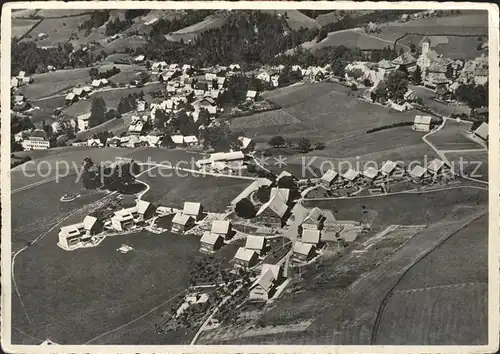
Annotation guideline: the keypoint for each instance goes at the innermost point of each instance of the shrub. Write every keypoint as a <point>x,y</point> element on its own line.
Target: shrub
<point>245,209</point>
<point>277,141</point>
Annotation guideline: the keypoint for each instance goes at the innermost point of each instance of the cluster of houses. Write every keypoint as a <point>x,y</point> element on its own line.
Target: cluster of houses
<point>20,80</point>
<point>33,140</point>
<point>433,67</point>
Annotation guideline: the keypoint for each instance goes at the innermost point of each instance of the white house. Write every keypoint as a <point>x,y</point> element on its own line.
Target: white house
<point>251,95</point>
<point>482,131</point>
<point>83,121</point>
<point>422,123</point>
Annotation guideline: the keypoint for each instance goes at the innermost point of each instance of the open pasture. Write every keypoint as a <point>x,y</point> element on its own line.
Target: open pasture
<point>356,39</point>
<point>295,19</point>
<point>294,94</point>
<point>51,83</point>
<point>59,30</point>
<point>191,32</point>
<point>173,188</point>
<point>423,316</point>
<point>472,164</point>
<point>20,26</point>
<point>121,44</point>
<point>74,298</point>
<point>452,136</point>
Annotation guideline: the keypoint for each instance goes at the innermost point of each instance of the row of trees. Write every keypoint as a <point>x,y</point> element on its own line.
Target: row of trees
<point>116,178</point>
<point>303,144</point>
<point>96,74</point>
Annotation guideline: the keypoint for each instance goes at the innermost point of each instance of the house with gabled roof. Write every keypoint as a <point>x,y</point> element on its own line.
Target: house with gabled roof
<point>251,95</point>
<point>329,178</point>
<point>418,173</point>
<point>195,210</point>
<point>277,208</point>
<point>350,175</point>
<point>303,252</point>
<point>371,173</point>
<point>435,166</point>
<point>69,236</point>
<point>190,140</point>
<point>211,242</point>
<point>314,220</point>
<point>245,259</point>
<point>422,123</point>
<point>265,285</point>
<point>182,223</point>
<point>256,244</point>
<point>222,228</point>
<point>311,236</point>
<point>388,168</point>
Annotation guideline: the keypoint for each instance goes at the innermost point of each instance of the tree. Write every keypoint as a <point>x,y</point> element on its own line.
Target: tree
<point>203,117</point>
<point>276,141</point>
<point>417,76</point>
<point>97,112</point>
<point>304,145</point>
<point>397,85</point>
<point>319,146</point>
<point>413,48</point>
<point>94,73</point>
<point>245,209</point>
<point>263,194</point>
<point>287,182</point>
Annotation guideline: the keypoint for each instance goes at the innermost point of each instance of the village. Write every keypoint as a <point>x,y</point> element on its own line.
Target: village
<point>258,198</point>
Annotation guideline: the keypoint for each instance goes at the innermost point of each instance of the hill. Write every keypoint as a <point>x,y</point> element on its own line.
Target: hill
<point>295,19</point>
<point>189,33</point>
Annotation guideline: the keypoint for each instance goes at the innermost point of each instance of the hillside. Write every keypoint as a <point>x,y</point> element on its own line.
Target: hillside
<point>295,19</point>
<point>189,33</point>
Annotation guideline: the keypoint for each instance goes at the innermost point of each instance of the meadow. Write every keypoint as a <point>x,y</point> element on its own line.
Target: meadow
<point>59,30</point>
<point>20,26</point>
<point>51,83</point>
<point>473,164</point>
<point>452,136</point>
<point>189,33</point>
<point>421,302</point>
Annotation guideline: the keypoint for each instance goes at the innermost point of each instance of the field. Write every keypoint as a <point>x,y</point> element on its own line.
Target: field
<point>452,136</point>
<point>189,33</point>
<point>353,39</point>
<point>79,295</point>
<point>172,190</point>
<point>295,19</point>
<point>46,109</point>
<point>444,109</point>
<point>330,114</point>
<point>21,26</point>
<point>420,303</point>
<point>119,45</point>
<point>59,30</point>
<point>51,83</point>
<point>474,164</point>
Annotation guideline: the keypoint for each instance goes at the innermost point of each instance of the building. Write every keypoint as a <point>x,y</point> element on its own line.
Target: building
<point>71,235</point>
<point>36,141</point>
<point>94,143</point>
<point>311,236</point>
<point>418,173</point>
<point>265,285</point>
<point>264,76</point>
<point>190,140</point>
<point>303,252</point>
<point>314,220</point>
<point>350,175</point>
<point>200,88</point>
<point>251,95</point>
<point>482,132</point>
<point>405,60</point>
<point>127,218</point>
<point>181,223</point>
<point>256,244</point>
<point>222,228</point>
<point>422,123</point>
<point>177,139</point>
<point>247,145</point>
<point>145,210</point>
<point>211,242</point>
<point>245,259</point>
<point>388,168</point>
<point>136,127</point>
<point>71,98</point>
<point>329,178</point>
<point>194,210</point>
<point>371,173</point>
<point>139,58</point>
<point>83,121</point>
<point>435,166</point>
<point>276,209</point>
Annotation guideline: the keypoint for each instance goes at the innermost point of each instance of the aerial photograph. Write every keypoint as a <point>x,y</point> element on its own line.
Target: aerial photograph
<point>235,177</point>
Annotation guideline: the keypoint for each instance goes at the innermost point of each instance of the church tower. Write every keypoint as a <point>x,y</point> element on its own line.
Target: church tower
<point>426,43</point>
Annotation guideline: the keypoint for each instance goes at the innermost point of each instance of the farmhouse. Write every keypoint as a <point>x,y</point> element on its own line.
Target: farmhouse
<point>71,235</point>
<point>311,237</point>
<point>303,252</point>
<point>136,126</point>
<point>194,210</point>
<point>276,208</point>
<point>314,220</point>
<point>422,123</point>
<point>227,156</point>
<point>418,173</point>
<point>256,244</point>
<point>181,223</point>
<point>94,143</point>
<point>71,97</point>
<point>251,95</point>
<point>37,141</point>
<point>482,131</point>
<point>246,144</point>
<point>265,285</point>
<point>245,259</point>
<point>177,139</point>
<point>222,228</point>
<point>350,175</point>
<point>371,173</point>
<point>127,218</point>
<point>435,166</point>
<point>211,242</point>
<point>329,178</point>
<point>405,60</point>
